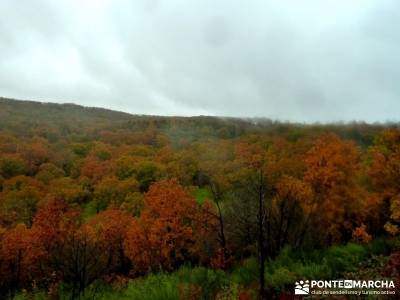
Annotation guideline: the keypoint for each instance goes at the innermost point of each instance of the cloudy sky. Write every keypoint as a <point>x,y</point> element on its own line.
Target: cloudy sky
<point>299,60</point>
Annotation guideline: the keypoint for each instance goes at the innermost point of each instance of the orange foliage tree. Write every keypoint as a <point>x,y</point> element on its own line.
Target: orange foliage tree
<point>384,172</point>
<point>16,260</point>
<point>332,170</point>
<point>163,236</point>
<point>110,228</point>
<point>78,254</point>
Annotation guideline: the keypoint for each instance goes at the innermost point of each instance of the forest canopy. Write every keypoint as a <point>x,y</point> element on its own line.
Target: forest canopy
<point>90,195</point>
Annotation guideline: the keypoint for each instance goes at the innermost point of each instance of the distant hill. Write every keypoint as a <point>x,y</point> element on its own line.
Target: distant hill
<point>28,118</point>
<point>42,112</point>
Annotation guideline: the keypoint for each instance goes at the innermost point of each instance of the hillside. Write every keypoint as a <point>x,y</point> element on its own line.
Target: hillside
<point>28,117</point>
<point>52,120</point>
<point>25,115</point>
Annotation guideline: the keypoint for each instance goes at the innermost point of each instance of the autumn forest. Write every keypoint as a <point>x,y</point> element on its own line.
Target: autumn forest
<point>99,204</point>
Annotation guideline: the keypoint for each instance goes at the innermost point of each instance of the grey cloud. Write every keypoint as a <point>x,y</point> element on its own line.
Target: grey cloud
<point>306,60</point>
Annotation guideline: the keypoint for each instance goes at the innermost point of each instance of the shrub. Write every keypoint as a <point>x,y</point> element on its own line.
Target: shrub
<point>344,258</point>
<point>281,279</point>
<point>380,246</point>
<point>155,287</point>
<point>313,270</point>
<point>246,273</point>
<point>186,283</point>
<point>209,280</point>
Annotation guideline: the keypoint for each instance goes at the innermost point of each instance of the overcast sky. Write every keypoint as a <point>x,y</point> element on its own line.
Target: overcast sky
<point>298,60</point>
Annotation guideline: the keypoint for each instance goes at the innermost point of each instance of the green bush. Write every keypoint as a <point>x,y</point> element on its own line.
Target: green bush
<point>313,270</point>
<point>202,194</point>
<point>209,280</point>
<point>281,279</point>
<point>199,283</point>
<point>154,287</point>
<point>344,258</point>
<point>380,246</point>
<point>290,266</point>
<point>246,273</point>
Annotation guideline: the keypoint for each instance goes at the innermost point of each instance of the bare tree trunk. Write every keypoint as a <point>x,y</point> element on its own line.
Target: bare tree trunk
<point>261,216</point>
<point>217,200</point>
<point>221,226</point>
